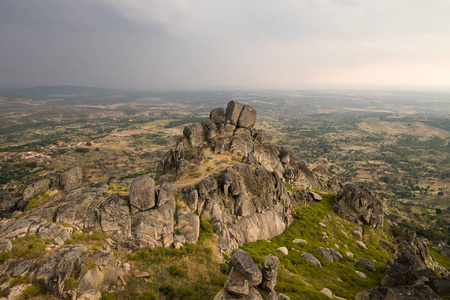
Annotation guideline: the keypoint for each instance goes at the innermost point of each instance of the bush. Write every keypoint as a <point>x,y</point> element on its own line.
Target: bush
<point>28,247</point>
<point>176,271</point>
<point>4,255</point>
<point>70,284</point>
<point>167,290</point>
<point>31,291</point>
<point>206,231</point>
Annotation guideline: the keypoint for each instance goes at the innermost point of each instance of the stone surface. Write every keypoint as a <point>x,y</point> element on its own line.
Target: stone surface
<point>358,205</point>
<point>360,244</point>
<point>55,232</point>
<point>142,194</point>
<point>311,259</point>
<point>59,266</point>
<point>315,196</point>
<point>189,225</point>
<point>71,179</point>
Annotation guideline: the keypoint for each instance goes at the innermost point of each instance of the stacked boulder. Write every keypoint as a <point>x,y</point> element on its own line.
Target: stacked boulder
<point>245,277</point>
<point>232,130</point>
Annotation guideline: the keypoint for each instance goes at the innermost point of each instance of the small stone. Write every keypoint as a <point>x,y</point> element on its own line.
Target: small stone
<point>336,246</point>
<point>299,241</point>
<point>143,275</point>
<point>327,292</point>
<point>361,274</point>
<point>323,224</point>
<point>360,244</point>
<point>325,235</point>
<point>315,196</point>
<point>282,250</point>
<point>126,267</point>
<point>349,254</point>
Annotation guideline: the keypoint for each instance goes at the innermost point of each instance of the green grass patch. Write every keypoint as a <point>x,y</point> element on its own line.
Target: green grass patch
<point>300,280</point>
<point>439,258</point>
<point>29,247</point>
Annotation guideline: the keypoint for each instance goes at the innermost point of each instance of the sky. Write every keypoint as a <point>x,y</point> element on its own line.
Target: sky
<point>230,44</point>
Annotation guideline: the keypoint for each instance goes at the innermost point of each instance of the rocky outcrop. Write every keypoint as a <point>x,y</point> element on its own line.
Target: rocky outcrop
<point>414,292</point>
<point>403,271</point>
<point>403,279</point>
<point>71,179</point>
<point>244,278</point>
<point>358,205</point>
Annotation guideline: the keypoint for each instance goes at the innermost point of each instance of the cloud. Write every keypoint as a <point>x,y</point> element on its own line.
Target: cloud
<point>204,43</point>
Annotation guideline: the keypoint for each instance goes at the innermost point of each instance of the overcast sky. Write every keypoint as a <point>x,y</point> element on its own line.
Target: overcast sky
<point>240,44</point>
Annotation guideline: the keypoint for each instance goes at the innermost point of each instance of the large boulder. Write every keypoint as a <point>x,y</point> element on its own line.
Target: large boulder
<point>233,112</point>
<point>142,194</point>
<point>194,134</point>
<point>247,119</point>
<point>217,116</point>
<point>243,262</point>
<point>358,205</point>
<point>71,179</point>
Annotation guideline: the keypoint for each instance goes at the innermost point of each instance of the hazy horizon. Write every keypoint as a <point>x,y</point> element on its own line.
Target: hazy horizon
<point>233,45</point>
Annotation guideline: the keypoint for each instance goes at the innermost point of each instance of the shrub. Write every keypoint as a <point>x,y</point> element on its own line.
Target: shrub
<point>31,291</point>
<point>167,290</point>
<point>146,296</point>
<point>176,271</point>
<point>28,247</point>
<point>206,231</point>
<point>4,255</point>
<point>70,284</point>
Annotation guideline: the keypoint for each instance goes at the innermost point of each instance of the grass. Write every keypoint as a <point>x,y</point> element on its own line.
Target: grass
<point>29,247</point>
<point>439,258</point>
<point>301,280</point>
<point>192,272</point>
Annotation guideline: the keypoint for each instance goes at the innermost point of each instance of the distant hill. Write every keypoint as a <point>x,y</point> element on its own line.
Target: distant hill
<point>61,89</point>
